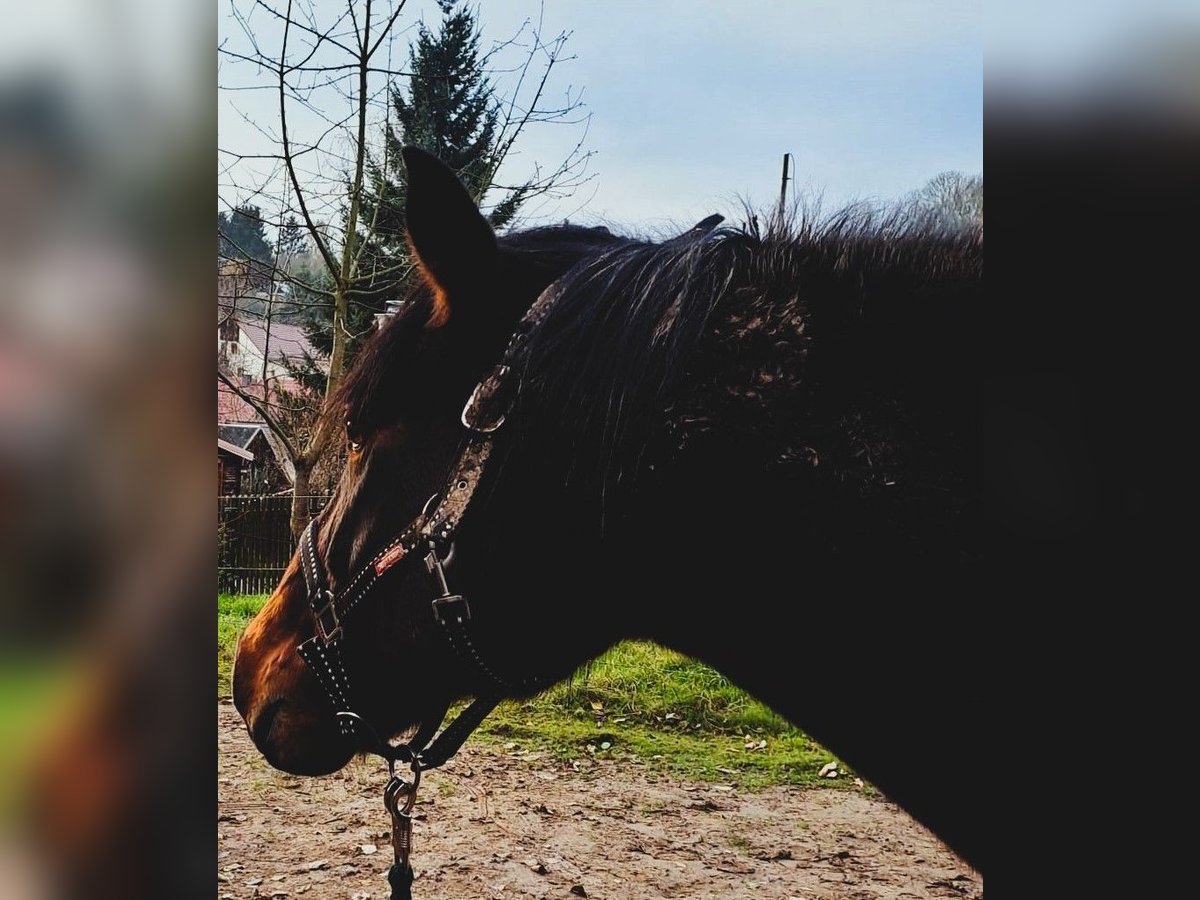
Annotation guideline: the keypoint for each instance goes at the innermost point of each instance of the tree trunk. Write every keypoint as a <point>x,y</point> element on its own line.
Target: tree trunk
<point>300,501</point>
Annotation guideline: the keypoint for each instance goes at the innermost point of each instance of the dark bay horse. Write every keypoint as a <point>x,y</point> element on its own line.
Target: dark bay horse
<point>759,449</point>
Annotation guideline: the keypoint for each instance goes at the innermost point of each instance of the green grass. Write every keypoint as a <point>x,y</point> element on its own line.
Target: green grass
<point>646,703</point>
<point>234,612</point>
<point>664,709</point>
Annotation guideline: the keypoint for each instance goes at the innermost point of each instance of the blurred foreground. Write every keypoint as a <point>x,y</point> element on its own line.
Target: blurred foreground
<point>106,543</point>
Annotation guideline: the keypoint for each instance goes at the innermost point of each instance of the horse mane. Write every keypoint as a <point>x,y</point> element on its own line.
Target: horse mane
<point>635,327</point>
<point>642,332</point>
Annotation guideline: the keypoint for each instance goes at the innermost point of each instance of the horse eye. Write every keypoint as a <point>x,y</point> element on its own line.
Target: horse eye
<point>355,445</point>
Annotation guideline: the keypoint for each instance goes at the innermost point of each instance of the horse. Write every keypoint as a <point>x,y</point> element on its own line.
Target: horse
<point>757,446</point>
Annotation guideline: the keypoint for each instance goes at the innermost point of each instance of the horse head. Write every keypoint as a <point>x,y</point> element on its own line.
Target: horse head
<point>400,409</point>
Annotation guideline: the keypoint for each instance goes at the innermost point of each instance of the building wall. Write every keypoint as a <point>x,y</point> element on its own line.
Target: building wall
<point>242,357</point>
<point>229,474</point>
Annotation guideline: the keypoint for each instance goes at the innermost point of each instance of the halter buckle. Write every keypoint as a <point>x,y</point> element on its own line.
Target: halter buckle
<point>329,625</point>
<point>447,607</point>
<point>451,608</point>
<point>484,391</point>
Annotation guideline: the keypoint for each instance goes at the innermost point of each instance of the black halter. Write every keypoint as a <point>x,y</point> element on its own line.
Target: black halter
<point>431,533</point>
<point>431,536</point>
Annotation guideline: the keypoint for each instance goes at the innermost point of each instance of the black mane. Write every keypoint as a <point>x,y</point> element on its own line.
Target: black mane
<point>651,346</point>
<point>802,341</point>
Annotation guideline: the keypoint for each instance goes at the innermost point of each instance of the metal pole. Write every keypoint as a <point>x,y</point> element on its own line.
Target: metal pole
<point>783,187</point>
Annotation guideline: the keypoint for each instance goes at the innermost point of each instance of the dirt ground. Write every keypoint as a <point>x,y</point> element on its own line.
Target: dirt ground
<point>492,824</point>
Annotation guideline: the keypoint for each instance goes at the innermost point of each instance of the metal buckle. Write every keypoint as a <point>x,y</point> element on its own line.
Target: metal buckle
<point>492,383</point>
<point>443,609</point>
<point>442,604</point>
<point>399,797</point>
<point>329,633</point>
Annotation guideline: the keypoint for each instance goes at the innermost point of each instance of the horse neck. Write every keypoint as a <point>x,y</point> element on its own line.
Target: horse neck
<point>820,429</point>
<point>801,516</point>
<point>819,531</point>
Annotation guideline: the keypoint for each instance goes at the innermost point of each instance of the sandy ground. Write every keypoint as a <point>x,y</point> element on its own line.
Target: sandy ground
<point>492,824</point>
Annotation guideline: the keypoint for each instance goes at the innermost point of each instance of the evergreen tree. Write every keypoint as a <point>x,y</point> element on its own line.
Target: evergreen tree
<point>449,110</point>
<point>291,242</point>
<point>242,234</point>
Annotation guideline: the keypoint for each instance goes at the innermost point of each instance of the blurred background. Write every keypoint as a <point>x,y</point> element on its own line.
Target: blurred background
<point>107,539</point>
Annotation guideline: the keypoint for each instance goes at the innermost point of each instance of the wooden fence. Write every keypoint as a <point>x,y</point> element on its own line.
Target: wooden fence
<point>254,540</point>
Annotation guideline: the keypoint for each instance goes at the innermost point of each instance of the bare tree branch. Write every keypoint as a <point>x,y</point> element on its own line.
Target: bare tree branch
<point>318,239</point>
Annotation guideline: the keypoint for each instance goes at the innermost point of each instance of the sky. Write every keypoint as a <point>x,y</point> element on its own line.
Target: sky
<point>693,104</point>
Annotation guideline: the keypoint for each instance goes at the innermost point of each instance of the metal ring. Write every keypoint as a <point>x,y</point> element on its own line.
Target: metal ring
<point>412,791</point>
<point>466,417</point>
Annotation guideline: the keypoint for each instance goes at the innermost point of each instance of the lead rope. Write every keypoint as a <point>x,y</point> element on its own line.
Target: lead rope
<point>400,795</point>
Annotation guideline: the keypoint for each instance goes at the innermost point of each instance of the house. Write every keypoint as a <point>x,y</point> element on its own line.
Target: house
<point>238,279</point>
<point>245,341</point>
<point>230,460</point>
<point>265,468</point>
<point>249,346</point>
<point>268,468</point>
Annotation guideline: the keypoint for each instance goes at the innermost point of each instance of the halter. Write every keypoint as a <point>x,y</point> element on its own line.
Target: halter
<point>430,534</point>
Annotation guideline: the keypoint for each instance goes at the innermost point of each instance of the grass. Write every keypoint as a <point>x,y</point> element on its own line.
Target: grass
<point>234,612</point>
<point>637,701</point>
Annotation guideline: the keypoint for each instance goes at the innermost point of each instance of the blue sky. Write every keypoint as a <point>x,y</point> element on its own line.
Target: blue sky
<point>693,104</point>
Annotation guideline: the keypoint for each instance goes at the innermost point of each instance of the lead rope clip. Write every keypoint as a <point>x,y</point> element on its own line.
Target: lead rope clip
<point>399,797</point>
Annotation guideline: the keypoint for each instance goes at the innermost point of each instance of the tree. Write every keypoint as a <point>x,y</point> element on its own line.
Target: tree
<point>291,243</point>
<point>328,67</point>
<point>449,111</point>
<point>241,234</point>
<point>951,199</point>
<point>448,108</point>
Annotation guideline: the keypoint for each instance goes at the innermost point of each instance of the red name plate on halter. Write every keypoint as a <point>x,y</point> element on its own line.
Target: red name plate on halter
<point>389,559</point>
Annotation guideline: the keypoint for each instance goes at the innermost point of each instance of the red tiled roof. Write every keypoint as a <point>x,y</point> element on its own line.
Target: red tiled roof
<point>288,342</point>
<point>232,408</point>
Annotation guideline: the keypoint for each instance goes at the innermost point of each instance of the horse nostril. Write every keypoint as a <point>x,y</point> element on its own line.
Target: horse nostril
<point>260,729</point>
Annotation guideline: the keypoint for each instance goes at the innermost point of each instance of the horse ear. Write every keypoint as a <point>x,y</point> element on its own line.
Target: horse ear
<point>453,244</point>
